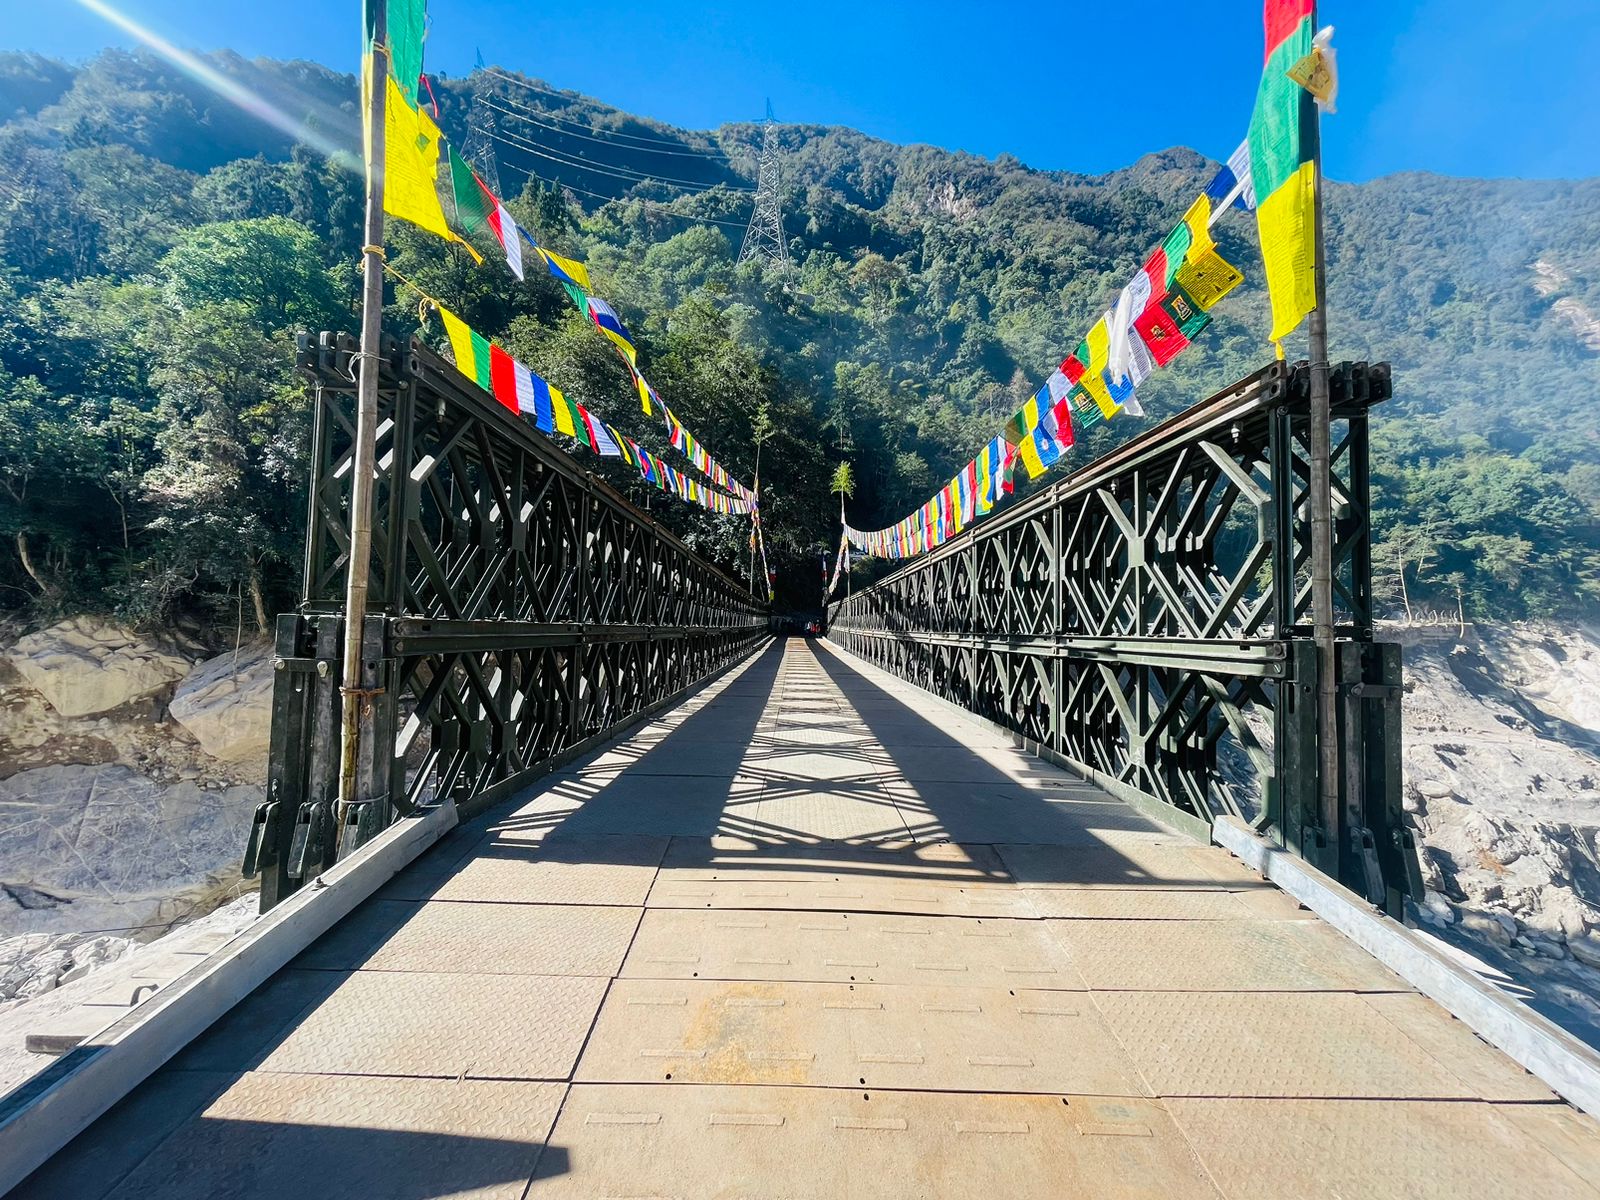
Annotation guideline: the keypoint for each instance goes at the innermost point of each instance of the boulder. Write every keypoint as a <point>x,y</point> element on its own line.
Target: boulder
<point>85,666</point>
<point>226,703</point>
<point>103,847</point>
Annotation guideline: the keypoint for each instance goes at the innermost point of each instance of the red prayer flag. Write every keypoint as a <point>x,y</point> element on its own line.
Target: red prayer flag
<point>492,205</point>
<point>503,377</point>
<point>1281,17</point>
<point>1161,334</point>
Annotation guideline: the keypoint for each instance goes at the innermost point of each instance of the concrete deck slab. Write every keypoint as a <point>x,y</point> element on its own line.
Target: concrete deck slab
<point>989,977</point>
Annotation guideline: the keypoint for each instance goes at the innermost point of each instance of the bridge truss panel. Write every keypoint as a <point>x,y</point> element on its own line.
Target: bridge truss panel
<point>519,608</point>
<point>1147,620</point>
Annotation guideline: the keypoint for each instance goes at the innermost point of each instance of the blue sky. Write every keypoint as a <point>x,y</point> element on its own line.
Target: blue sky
<point>1464,87</point>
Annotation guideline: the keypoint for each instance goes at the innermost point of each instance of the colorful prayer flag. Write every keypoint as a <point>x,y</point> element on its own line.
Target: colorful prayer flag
<point>470,348</point>
<point>566,270</point>
<point>1283,133</point>
<point>411,144</point>
<point>1231,185</point>
<point>503,377</point>
<point>1207,278</point>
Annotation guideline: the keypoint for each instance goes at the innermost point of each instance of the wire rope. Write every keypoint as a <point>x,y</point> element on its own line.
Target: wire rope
<point>531,147</point>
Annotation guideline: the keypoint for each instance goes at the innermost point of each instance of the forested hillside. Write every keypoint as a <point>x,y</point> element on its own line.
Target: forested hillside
<point>160,248</point>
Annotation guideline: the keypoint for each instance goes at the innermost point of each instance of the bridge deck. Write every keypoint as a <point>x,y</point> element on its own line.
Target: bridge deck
<point>810,935</point>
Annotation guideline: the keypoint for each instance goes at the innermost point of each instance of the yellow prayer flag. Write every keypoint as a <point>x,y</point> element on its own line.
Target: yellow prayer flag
<point>1198,219</point>
<point>1099,340</point>
<point>1315,73</point>
<point>1094,383</point>
<point>1287,219</point>
<point>460,343</point>
<point>1208,278</point>
<point>411,163</point>
<point>573,270</point>
<point>644,394</point>
<point>562,412</point>
<point>1029,451</point>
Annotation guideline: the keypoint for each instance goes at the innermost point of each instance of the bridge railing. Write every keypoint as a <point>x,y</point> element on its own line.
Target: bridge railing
<point>1147,621</point>
<point>518,609</point>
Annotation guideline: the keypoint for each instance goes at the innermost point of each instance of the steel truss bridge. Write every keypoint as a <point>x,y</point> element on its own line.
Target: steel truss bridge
<point>1022,883</point>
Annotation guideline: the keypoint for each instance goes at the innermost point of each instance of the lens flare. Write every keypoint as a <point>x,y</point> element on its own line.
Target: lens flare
<point>230,90</point>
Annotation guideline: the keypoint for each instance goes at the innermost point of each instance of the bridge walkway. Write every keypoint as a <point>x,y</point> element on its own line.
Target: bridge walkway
<point>811,934</point>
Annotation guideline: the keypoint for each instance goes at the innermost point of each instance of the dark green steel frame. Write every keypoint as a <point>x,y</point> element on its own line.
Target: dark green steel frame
<point>519,609</point>
<point>1146,620</point>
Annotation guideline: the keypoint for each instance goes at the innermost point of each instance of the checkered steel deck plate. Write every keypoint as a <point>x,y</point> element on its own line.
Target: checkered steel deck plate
<point>817,1144</point>
<point>1570,1135</point>
<point>807,735</point>
<point>1307,1044</point>
<point>468,937</point>
<point>840,948</point>
<point>1128,863</point>
<point>472,1026</point>
<point>588,870</point>
<point>836,1035</point>
<point>630,804</point>
<point>308,1135</point>
<point>855,894</point>
<point>251,1028</point>
<point>814,860</point>
<point>1165,904</point>
<point>1404,1150</point>
<point>856,810</point>
<point>353,940</point>
<point>1219,956</point>
<point>1022,817</point>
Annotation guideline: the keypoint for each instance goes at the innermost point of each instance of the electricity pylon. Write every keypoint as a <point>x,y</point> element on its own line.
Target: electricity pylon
<point>479,149</point>
<point>764,238</point>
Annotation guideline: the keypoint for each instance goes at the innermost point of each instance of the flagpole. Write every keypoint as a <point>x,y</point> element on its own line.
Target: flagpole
<point>755,518</point>
<point>354,698</point>
<point>1321,418</point>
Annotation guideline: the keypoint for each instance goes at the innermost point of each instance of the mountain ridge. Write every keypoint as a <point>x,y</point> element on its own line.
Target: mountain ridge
<point>935,290</point>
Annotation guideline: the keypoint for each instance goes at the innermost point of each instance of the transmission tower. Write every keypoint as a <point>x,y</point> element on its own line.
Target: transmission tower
<point>479,149</point>
<point>764,238</point>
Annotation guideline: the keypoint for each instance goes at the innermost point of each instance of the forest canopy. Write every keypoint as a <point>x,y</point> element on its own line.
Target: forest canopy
<point>161,249</point>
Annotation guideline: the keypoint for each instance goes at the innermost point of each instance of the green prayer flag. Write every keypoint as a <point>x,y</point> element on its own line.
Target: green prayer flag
<point>406,22</point>
<point>472,213</point>
<point>480,360</point>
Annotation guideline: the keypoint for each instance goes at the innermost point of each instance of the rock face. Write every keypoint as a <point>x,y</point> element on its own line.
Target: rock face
<point>102,847</point>
<point>226,703</point>
<point>1502,782</point>
<point>85,666</point>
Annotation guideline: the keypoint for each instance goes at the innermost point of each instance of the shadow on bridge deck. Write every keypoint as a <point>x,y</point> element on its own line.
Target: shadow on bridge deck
<point>809,934</point>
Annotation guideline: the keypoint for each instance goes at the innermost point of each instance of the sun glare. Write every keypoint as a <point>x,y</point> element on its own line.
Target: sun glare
<point>229,89</point>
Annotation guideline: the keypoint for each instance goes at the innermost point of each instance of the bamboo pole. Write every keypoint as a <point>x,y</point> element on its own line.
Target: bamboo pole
<point>1321,498</point>
<point>354,699</point>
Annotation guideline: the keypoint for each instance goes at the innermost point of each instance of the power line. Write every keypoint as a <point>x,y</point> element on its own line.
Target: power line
<point>642,175</point>
<point>671,212</point>
<point>569,96</point>
<point>611,169</point>
<point>531,115</point>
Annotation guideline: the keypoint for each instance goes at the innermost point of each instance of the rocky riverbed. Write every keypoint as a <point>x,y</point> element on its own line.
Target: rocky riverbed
<point>1502,778</point>
<point>129,770</point>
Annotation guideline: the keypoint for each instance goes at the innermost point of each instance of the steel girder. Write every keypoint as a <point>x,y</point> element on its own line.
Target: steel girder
<point>519,608</point>
<point>1146,620</point>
